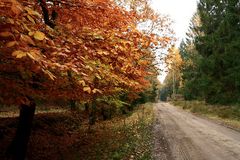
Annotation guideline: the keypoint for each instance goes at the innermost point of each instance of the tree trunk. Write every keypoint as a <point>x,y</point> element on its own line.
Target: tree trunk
<point>92,116</point>
<point>73,105</point>
<point>86,105</point>
<point>18,148</point>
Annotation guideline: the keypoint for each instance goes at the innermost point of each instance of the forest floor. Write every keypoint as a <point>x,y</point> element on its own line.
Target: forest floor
<point>64,135</point>
<point>180,135</point>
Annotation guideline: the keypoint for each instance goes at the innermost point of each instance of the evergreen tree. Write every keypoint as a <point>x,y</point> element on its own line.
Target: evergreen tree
<point>219,45</point>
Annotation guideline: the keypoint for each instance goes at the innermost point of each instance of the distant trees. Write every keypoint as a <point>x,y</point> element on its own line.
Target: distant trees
<point>173,80</point>
<point>211,54</point>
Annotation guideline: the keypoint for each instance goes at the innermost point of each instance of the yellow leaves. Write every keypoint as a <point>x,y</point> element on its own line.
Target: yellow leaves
<point>32,12</point>
<point>30,33</point>
<point>98,76</point>
<point>82,82</point>
<point>30,19</point>
<point>39,35</point>
<point>6,34</point>
<point>10,20</point>
<point>89,67</point>
<point>75,70</point>
<point>34,54</point>
<point>51,76</point>
<point>98,37</point>
<point>95,90</point>
<point>26,27</point>
<point>143,62</point>
<point>11,44</point>
<point>19,54</point>
<point>87,89</point>
<point>101,52</point>
<point>27,39</point>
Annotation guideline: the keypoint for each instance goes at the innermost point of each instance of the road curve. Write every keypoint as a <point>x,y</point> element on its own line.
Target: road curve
<point>180,135</point>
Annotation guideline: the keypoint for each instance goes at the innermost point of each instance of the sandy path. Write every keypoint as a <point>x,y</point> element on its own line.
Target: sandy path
<point>180,135</point>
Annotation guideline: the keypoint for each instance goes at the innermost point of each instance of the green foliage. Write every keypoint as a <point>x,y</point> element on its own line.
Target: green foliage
<point>150,94</point>
<point>219,46</point>
<point>137,142</point>
<point>211,67</point>
<point>165,92</point>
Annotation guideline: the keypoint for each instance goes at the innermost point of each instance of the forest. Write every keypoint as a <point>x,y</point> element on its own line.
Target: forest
<point>79,78</point>
<point>206,64</point>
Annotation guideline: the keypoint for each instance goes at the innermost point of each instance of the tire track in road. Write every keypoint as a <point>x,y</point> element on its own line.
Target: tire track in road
<point>189,137</point>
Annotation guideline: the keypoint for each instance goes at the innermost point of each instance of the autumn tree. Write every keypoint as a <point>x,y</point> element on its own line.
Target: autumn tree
<point>71,50</point>
<point>174,63</point>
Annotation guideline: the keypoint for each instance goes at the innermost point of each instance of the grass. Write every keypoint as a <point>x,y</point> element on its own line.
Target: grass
<point>62,135</point>
<point>228,115</point>
<point>123,138</point>
<point>137,130</point>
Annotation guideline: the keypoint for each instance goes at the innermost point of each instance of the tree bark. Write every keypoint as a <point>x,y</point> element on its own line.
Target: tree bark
<point>92,116</point>
<point>73,105</point>
<point>86,105</point>
<point>46,16</point>
<point>18,148</point>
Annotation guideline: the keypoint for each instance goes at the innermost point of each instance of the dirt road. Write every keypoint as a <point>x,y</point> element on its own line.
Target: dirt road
<point>180,135</point>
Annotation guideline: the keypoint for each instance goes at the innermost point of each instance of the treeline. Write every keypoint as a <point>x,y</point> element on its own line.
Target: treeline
<point>211,54</point>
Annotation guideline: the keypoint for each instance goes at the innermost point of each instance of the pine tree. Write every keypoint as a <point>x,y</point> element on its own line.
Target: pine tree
<point>219,45</point>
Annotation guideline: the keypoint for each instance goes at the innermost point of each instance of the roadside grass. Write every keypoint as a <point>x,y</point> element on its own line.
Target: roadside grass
<point>124,138</point>
<point>62,135</point>
<point>228,115</point>
<point>137,130</point>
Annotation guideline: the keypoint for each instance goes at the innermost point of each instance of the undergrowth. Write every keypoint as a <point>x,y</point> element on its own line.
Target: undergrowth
<point>62,135</point>
<point>125,138</point>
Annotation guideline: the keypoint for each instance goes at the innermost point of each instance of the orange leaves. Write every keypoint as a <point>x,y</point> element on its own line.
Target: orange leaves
<point>93,49</point>
<point>11,44</point>
<point>16,7</point>
<point>102,52</point>
<point>50,74</point>
<point>6,34</point>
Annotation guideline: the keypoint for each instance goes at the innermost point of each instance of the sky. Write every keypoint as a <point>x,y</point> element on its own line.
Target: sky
<point>180,11</point>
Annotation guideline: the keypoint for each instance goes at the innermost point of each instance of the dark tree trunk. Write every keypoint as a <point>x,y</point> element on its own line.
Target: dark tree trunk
<point>18,148</point>
<point>73,105</point>
<point>47,19</point>
<point>92,116</point>
<point>86,105</point>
